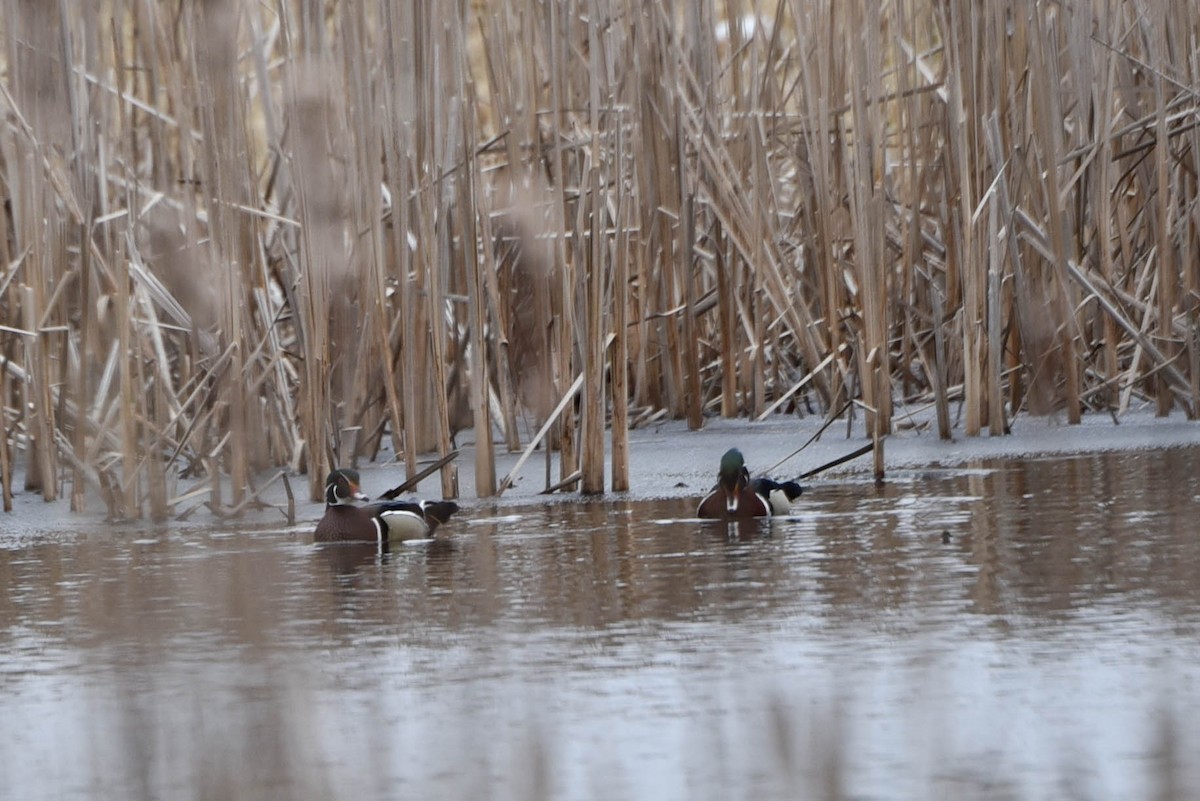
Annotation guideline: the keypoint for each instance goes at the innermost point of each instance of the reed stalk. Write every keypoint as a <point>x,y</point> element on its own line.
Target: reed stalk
<point>619,300</point>
<point>6,462</point>
<point>481,393</point>
<point>242,236</point>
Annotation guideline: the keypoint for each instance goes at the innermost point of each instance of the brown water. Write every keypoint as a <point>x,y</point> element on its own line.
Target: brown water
<point>1009,630</point>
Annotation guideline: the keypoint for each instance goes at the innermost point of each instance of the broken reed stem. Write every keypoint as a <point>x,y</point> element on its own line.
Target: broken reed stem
<point>868,448</point>
<point>537,438</point>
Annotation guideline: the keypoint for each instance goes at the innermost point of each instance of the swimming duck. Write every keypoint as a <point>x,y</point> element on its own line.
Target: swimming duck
<point>734,497</point>
<point>779,494</point>
<point>386,521</point>
<point>737,496</point>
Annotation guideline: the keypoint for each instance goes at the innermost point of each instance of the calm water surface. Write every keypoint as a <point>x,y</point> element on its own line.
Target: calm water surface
<point>1012,629</point>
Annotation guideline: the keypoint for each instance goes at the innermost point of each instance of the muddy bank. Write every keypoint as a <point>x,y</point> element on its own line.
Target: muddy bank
<point>669,461</point>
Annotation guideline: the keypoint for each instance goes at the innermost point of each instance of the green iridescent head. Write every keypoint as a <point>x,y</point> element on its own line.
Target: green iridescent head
<point>732,465</point>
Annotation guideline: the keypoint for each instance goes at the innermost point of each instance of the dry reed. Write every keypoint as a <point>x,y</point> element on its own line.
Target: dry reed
<point>244,235</point>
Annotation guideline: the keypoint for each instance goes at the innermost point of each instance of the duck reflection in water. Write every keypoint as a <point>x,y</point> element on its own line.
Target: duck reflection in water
<point>349,558</point>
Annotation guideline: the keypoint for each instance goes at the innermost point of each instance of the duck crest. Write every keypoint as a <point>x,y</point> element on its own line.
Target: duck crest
<point>342,488</point>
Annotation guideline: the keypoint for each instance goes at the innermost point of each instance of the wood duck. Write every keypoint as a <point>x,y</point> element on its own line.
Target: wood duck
<point>737,497</point>
<point>384,522</point>
<point>779,494</point>
<point>733,498</point>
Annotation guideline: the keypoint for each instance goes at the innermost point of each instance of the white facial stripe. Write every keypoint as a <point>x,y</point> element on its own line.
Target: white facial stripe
<point>335,497</point>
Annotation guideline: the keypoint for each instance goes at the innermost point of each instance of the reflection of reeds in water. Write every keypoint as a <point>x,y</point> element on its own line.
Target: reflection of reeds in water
<point>277,747</point>
<point>239,236</point>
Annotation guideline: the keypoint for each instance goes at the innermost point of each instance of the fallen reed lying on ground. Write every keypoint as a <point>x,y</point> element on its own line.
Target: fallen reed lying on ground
<point>241,236</point>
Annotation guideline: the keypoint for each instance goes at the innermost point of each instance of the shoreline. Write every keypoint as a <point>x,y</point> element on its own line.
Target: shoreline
<point>669,461</point>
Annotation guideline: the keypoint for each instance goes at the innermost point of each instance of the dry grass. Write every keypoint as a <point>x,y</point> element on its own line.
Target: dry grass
<point>239,236</point>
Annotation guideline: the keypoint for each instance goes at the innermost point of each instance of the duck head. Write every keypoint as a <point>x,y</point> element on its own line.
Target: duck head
<point>341,488</point>
<point>733,478</point>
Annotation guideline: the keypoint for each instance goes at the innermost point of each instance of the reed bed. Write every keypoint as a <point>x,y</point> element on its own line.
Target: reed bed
<point>241,237</point>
